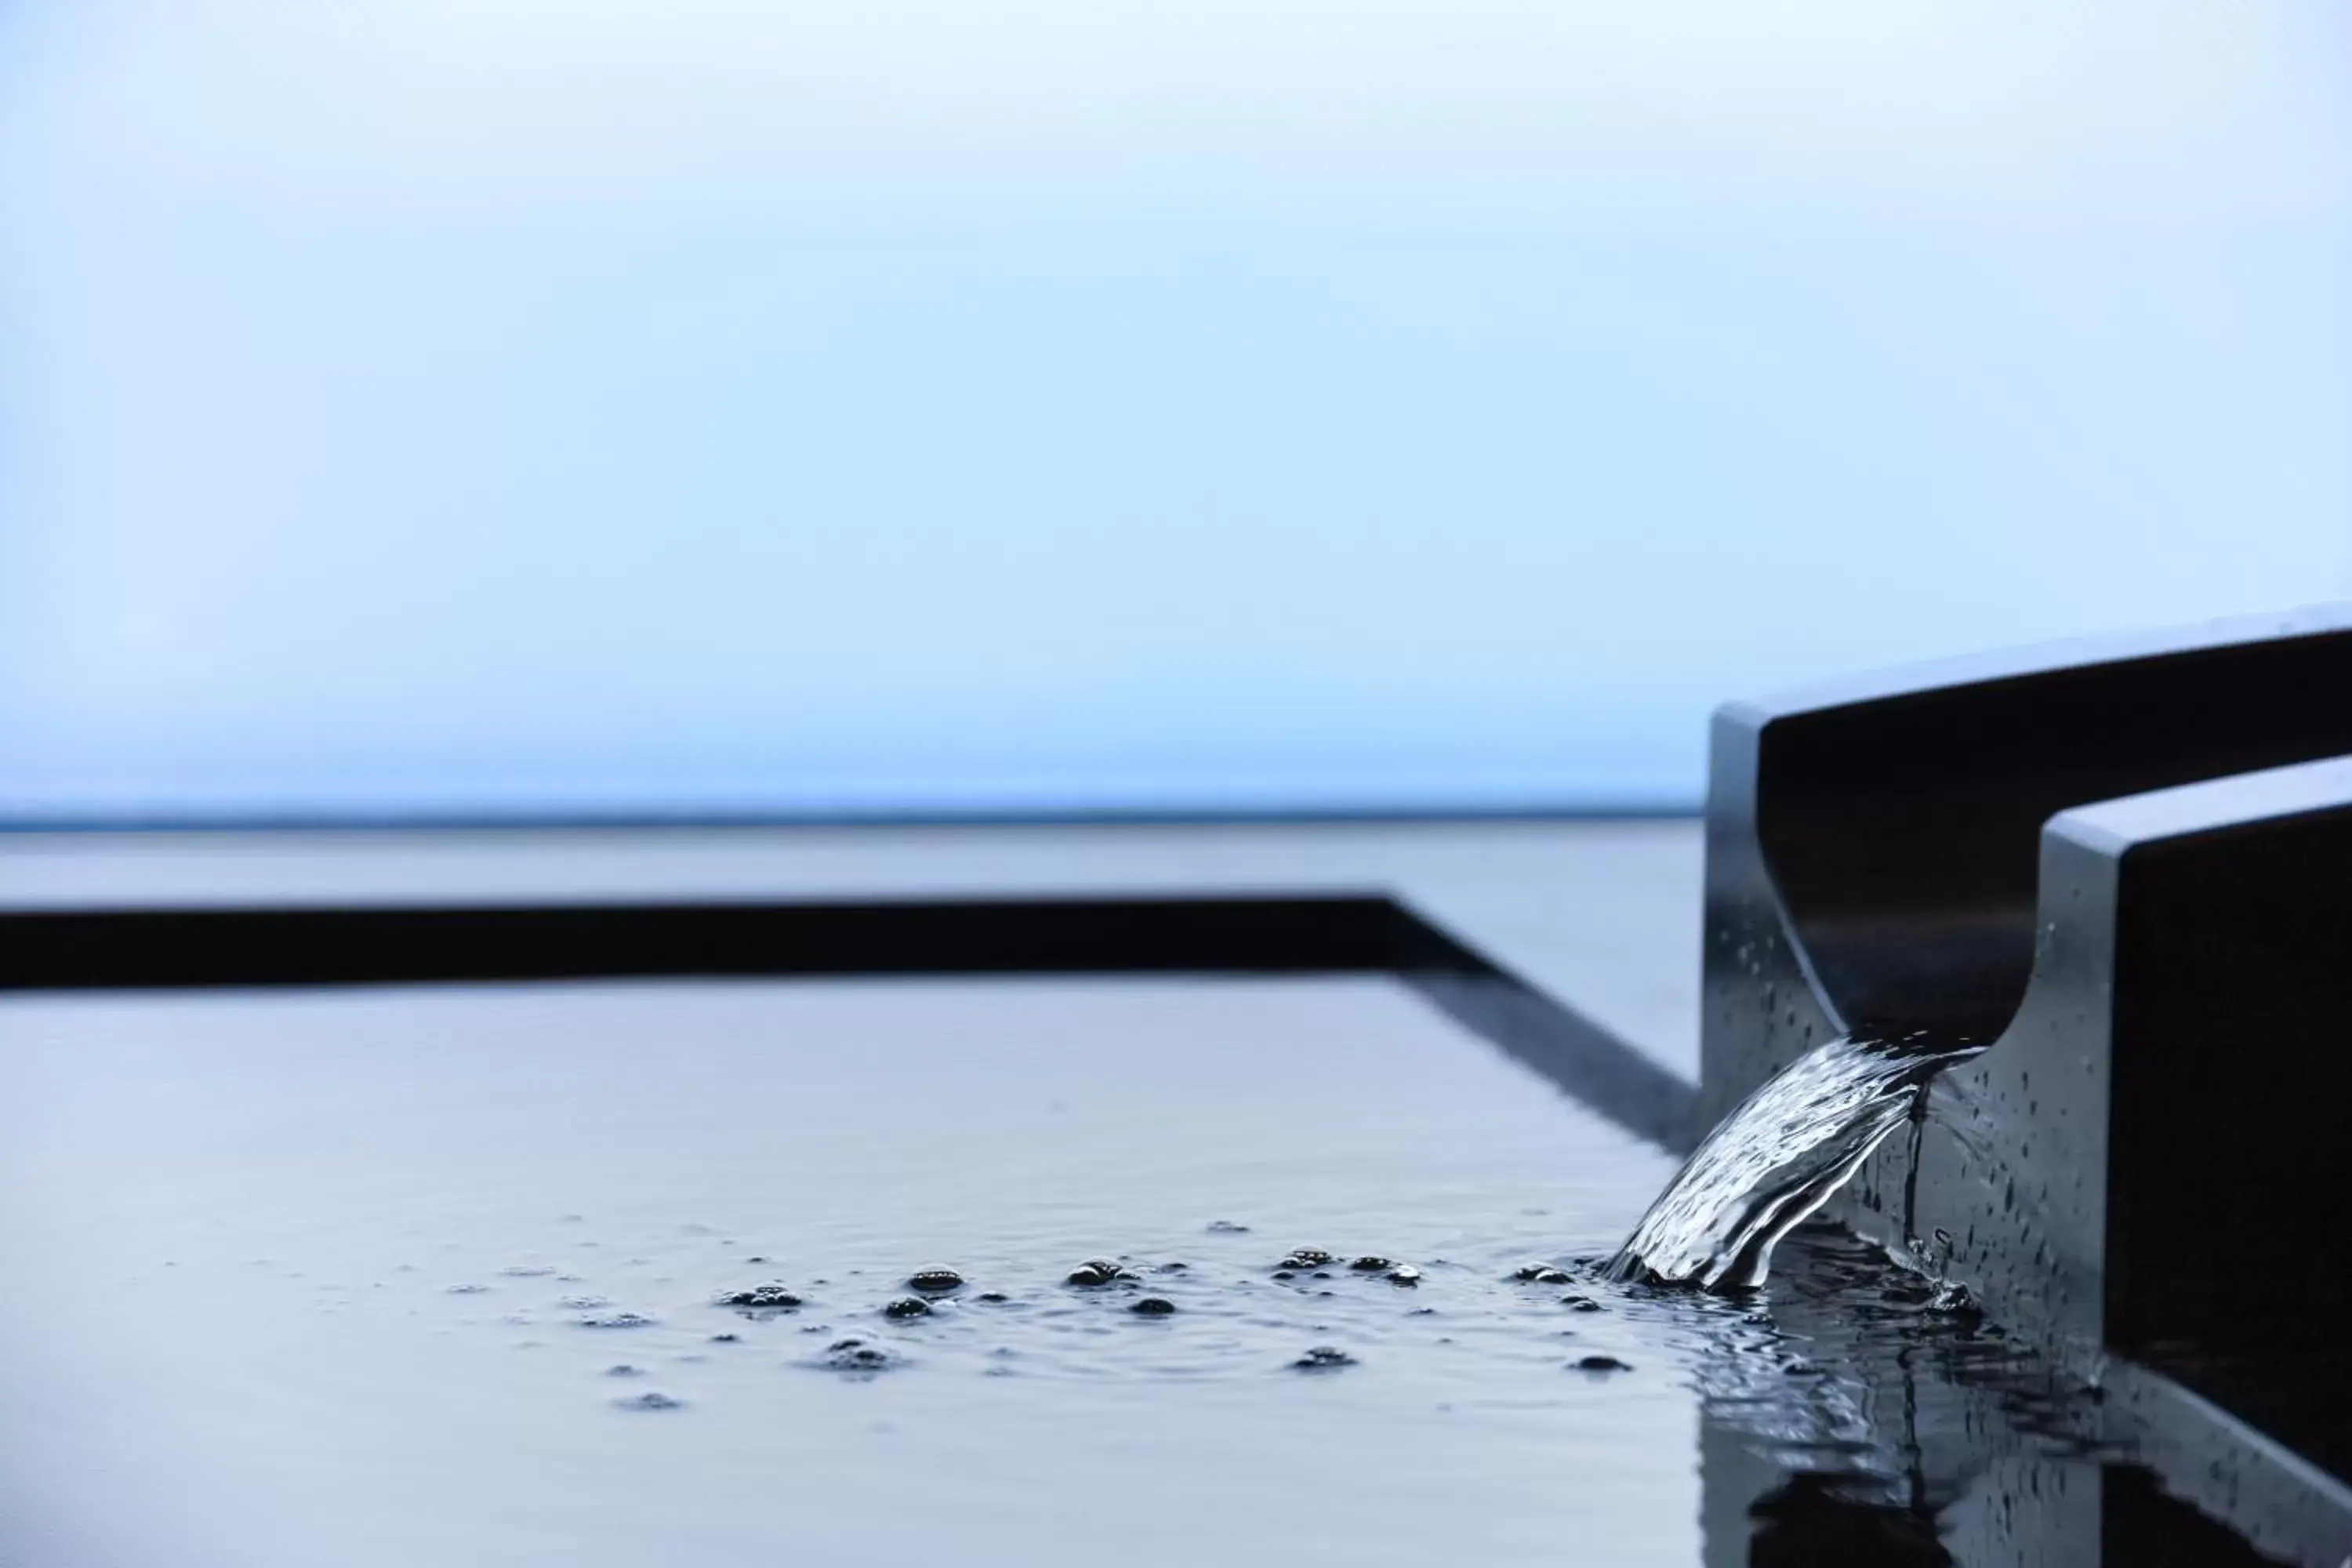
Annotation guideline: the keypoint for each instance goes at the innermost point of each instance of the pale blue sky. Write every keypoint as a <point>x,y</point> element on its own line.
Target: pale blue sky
<point>710,406</point>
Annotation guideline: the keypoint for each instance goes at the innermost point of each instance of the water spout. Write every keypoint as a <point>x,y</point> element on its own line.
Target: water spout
<point>1778,1156</point>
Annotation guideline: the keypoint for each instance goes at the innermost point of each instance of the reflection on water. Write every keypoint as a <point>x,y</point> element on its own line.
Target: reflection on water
<point>1006,1272</point>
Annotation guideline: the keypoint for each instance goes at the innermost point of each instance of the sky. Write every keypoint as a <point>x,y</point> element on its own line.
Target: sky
<point>505,408</point>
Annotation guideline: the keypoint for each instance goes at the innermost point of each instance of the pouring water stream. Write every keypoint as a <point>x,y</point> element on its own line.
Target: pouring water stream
<point>1778,1156</point>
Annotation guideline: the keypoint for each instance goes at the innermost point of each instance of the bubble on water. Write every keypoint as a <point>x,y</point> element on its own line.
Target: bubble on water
<point>1404,1274</point>
<point>855,1356</point>
<point>1371,1263</point>
<point>935,1282</point>
<point>755,1260</point>
<point>622,1319</point>
<point>467,1289</point>
<point>622,1369</point>
<point>1579,1303</point>
<point>583,1303</point>
<point>1323,1358</point>
<point>1098,1271</point>
<point>526,1271</point>
<point>907,1306</point>
<point>992,1296</point>
<point>1600,1363</point>
<point>1152,1306</point>
<point>726,1339</point>
<point>1173,1268</point>
<point>1285,1274</point>
<point>1540,1274</point>
<point>651,1399</point>
<point>768,1296</point>
<point>1226,1227</point>
<point>1303,1257</point>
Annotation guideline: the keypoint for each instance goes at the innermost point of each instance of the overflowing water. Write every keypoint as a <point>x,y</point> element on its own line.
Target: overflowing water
<point>1033,1272</point>
<point>1778,1156</point>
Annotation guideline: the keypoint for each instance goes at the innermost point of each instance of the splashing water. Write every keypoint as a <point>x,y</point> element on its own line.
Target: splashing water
<point>1778,1157</point>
